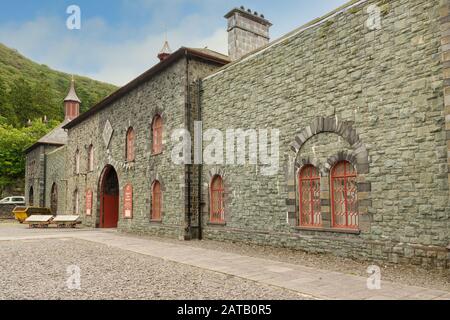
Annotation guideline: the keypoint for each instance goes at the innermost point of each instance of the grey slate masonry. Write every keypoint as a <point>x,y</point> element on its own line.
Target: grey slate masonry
<point>336,89</point>
<point>339,90</point>
<point>165,94</point>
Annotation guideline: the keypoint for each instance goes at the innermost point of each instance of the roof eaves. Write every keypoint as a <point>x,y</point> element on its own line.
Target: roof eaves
<point>183,51</point>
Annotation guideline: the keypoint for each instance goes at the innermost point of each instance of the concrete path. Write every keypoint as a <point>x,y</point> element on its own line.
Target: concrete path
<point>321,284</point>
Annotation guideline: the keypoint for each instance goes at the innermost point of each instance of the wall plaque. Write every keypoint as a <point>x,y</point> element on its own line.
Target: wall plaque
<point>107,133</point>
<point>128,202</point>
<point>89,197</point>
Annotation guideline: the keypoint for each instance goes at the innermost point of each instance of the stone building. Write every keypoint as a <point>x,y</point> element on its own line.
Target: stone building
<point>45,169</point>
<point>357,99</point>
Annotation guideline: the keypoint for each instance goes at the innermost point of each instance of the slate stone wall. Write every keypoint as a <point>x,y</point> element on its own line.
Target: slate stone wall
<point>167,95</point>
<point>35,174</point>
<point>372,96</point>
<point>56,175</point>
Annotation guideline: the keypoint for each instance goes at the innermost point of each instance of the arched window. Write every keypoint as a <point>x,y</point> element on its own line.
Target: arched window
<point>156,201</point>
<point>309,195</point>
<point>31,197</point>
<point>344,196</point>
<point>77,162</point>
<point>217,200</point>
<point>91,158</point>
<point>76,202</point>
<point>54,199</point>
<point>157,130</point>
<point>130,156</point>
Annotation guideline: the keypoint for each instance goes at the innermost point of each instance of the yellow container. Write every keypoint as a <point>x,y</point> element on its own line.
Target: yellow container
<point>22,213</point>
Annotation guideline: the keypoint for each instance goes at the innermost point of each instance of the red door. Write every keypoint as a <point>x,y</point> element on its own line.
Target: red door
<point>110,212</point>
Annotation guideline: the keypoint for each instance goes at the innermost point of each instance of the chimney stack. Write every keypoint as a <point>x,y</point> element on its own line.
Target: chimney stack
<point>247,32</point>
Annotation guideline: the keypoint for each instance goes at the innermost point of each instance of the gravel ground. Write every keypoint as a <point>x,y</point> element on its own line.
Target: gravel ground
<point>37,269</point>
<point>408,275</point>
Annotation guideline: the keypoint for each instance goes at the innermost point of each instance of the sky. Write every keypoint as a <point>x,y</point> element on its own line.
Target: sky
<point>120,39</point>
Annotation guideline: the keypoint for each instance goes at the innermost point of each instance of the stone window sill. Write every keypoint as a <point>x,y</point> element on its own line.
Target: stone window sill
<point>157,154</point>
<point>334,230</point>
<point>217,224</point>
<point>156,221</point>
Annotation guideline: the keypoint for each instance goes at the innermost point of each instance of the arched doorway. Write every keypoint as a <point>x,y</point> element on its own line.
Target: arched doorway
<point>54,199</point>
<point>109,198</point>
<point>31,197</point>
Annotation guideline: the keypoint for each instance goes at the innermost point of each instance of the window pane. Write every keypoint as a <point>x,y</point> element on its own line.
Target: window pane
<point>310,208</point>
<point>217,201</point>
<point>344,193</point>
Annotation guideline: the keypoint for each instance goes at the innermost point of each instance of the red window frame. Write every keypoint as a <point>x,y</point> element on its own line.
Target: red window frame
<point>344,196</point>
<point>309,197</point>
<point>156,201</point>
<point>217,210</point>
<point>157,129</point>
<point>130,156</point>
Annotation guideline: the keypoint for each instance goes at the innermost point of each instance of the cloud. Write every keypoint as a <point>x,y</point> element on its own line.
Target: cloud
<point>106,53</point>
<point>119,44</point>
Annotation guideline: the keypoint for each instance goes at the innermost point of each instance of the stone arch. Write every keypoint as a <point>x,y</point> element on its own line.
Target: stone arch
<point>157,111</point>
<point>217,171</point>
<point>300,163</point>
<point>228,191</point>
<point>340,156</point>
<point>157,177</point>
<point>341,128</point>
<point>357,155</point>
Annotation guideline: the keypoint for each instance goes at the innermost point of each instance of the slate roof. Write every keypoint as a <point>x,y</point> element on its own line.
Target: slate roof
<point>56,137</point>
<point>203,54</point>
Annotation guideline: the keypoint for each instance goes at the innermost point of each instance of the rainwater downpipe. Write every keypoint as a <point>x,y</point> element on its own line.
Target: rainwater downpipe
<point>200,165</point>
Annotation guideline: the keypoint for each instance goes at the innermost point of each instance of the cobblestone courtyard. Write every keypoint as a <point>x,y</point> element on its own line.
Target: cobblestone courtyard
<point>37,269</point>
<point>33,265</point>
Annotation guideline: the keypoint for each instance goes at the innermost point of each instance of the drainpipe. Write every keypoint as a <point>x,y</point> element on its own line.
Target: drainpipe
<point>45,179</point>
<point>200,165</point>
<point>188,166</point>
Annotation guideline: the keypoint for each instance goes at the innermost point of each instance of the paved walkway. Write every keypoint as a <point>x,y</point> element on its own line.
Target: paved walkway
<point>319,284</point>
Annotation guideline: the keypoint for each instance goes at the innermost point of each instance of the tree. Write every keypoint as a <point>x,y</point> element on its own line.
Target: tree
<point>21,98</point>
<point>43,101</point>
<point>7,114</point>
<point>13,142</point>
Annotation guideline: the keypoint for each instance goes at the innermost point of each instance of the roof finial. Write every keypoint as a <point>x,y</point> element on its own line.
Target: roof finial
<point>165,51</point>
<point>72,95</point>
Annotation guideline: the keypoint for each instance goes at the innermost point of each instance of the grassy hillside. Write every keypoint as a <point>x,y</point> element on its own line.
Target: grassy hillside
<point>30,91</point>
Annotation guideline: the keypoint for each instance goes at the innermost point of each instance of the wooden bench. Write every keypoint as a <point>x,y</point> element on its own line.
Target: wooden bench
<point>59,221</point>
<point>39,221</point>
<point>66,221</point>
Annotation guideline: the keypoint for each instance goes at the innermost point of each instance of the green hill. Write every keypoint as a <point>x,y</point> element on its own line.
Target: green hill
<point>29,90</point>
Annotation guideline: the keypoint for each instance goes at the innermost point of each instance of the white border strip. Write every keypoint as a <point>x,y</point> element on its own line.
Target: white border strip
<point>276,42</point>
